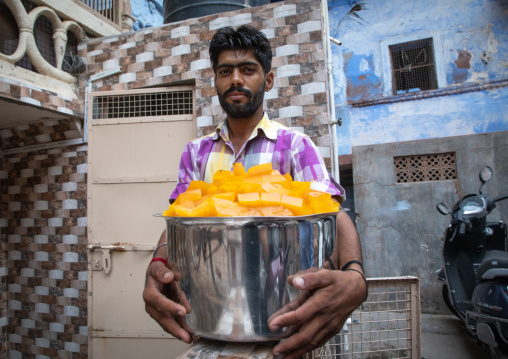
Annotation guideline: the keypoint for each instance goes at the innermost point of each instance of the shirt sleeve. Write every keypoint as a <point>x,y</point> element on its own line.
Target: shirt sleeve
<point>186,172</point>
<point>309,166</point>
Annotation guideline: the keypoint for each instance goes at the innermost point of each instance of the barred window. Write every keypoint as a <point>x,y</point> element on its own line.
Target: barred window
<point>413,66</point>
<point>162,103</point>
<point>425,168</point>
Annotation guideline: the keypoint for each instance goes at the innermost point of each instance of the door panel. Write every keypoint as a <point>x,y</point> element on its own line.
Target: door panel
<point>132,170</point>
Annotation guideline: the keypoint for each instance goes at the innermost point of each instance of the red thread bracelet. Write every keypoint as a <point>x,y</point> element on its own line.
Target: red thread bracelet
<point>159,259</point>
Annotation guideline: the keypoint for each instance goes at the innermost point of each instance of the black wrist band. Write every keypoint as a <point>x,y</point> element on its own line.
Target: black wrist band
<point>364,279</point>
<point>346,266</point>
<point>332,267</point>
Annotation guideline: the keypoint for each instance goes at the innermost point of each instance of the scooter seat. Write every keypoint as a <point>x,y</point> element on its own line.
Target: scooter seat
<point>494,265</point>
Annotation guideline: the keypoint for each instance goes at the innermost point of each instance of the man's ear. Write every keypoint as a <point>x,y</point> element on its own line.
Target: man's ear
<point>269,78</point>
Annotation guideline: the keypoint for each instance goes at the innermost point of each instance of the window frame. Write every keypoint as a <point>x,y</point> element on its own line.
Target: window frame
<point>386,60</point>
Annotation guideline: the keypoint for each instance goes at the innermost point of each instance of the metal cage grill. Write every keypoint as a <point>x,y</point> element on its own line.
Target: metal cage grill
<point>163,103</point>
<point>413,67</point>
<point>425,168</point>
<point>387,325</point>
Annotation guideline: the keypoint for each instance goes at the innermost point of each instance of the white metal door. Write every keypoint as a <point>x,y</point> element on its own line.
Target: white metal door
<point>135,139</point>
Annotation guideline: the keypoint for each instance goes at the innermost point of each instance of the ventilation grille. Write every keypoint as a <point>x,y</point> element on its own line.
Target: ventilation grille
<point>426,168</point>
<point>166,103</point>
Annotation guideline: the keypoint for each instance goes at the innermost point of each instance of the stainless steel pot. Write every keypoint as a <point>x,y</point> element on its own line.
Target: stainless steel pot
<point>234,269</point>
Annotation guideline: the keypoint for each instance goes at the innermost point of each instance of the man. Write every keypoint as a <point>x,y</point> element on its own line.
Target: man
<point>241,62</point>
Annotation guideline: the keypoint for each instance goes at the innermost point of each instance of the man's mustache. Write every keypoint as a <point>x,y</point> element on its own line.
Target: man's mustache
<point>237,89</point>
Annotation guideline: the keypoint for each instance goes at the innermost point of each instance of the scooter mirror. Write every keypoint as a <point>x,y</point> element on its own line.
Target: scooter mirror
<point>486,174</point>
<point>441,207</point>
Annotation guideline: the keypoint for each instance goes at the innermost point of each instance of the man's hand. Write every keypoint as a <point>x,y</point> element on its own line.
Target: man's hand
<point>166,310</point>
<point>328,297</point>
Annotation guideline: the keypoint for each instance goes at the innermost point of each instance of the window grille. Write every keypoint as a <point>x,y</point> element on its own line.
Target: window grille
<point>10,45</point>
<point>413,66</point>
<point>43,33</point>
<point>163,103</point>
<point>425,168</point>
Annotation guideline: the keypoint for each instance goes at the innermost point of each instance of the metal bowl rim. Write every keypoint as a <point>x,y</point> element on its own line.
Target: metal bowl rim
<point>236,220</point>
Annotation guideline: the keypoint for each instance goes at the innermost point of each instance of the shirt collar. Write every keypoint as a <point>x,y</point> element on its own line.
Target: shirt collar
<point>265,125</point>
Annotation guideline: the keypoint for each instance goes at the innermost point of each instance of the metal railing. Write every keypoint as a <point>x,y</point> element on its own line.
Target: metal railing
<point>110,9</point>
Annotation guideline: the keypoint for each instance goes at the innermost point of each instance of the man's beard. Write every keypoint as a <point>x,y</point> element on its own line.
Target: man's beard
<point>242,110</point>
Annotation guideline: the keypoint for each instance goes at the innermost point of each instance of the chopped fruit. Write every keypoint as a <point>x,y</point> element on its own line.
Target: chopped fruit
<point>260,191</point>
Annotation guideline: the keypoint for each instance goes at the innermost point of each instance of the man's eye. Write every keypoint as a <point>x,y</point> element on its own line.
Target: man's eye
<point>249,70</point>
<point>224,72</point>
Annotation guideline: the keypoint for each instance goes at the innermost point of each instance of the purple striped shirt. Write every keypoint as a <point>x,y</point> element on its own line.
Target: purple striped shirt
<point>286,149</point>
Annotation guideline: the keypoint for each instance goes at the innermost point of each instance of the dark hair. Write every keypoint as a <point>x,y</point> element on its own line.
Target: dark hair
<point>245,38</point>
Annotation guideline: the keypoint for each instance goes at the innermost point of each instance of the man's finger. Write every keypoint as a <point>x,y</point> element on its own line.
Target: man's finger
<point>313,280</point>
<point>291,306</point>
<point>154,298</point>
<point>169,324</point>
<point>161,272</point>
<point>312,335</point>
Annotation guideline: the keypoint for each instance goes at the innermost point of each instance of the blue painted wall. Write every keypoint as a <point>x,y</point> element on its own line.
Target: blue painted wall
<point>148,13</point>
<point>471,47</point>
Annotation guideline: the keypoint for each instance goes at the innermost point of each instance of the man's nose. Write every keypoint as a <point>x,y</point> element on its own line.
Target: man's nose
<point>236,78</point>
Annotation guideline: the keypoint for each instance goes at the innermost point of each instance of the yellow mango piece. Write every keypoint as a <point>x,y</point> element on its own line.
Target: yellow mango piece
<point>184,209</point>
<point>299,189</point>
<point>253,179</point>
<point>225,208</point>
<point>249,199</point>
<point>189,196</point>
<point>262,169</point>
<point>288,177</point>
<point>296,205</point>
<point>313,195</point>
<point>205,209</point>
<point>273,178</point>
<point>249,187</point>
<point>205,187</point>
<point>202,199</point>
<point>170,212</point>
<point>247,211</point>
<point>270,199</point>
<point>323,205</point>
<point>275,188</point>
<point>221,177</point>
<point>275,211</point>
<point>238,169</point>
<point>230,196</point>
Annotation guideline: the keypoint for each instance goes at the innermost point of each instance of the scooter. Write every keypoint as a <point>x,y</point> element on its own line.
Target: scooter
<point>475,272</point>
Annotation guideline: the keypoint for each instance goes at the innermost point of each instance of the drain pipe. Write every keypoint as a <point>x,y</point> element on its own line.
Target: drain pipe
<point>331,95</point>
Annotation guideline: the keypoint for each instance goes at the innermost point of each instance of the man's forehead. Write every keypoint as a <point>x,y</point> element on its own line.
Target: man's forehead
<point>236,56</point>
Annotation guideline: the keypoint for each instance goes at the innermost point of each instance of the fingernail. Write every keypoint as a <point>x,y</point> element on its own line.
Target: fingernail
<point>276,354</point>
<point>275,328</point>
<point>166,275</point>
<point>298,281</point>
<point>181,313</point>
